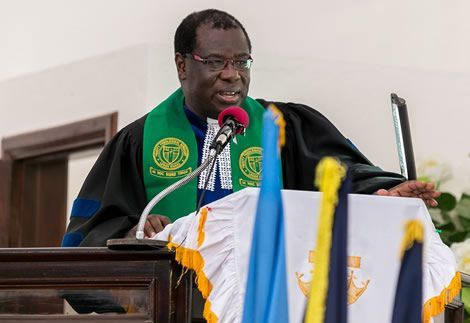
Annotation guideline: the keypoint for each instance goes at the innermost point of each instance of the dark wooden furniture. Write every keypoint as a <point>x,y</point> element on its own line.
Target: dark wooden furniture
<point>454,312</point>
<point>130,286</point>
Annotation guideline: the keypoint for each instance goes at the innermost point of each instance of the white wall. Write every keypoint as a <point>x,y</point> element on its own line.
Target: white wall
<point>61,61</point>
<point>78,167</point>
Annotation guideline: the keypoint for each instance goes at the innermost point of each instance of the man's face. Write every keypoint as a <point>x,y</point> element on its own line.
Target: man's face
<point>208,92</point>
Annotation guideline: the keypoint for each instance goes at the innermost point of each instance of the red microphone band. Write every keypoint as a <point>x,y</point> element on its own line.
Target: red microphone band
<point>236,113</point>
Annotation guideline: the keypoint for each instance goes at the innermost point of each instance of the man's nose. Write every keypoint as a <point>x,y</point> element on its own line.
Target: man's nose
<point>229,73</point>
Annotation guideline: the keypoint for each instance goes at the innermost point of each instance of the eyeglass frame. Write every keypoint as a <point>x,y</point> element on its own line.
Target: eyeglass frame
<point>205,61</point>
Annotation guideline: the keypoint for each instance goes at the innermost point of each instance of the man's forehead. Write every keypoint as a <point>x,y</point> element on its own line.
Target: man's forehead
<point>216,41</point>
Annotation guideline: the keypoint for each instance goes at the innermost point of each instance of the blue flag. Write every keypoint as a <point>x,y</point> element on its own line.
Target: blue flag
<point>409,292</point>
<point>266,289</point>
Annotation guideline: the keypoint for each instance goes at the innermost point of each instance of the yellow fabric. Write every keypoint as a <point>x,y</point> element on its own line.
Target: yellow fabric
<point>192,259</point>
<point>329,174</point>
<point>436,305</point>
<point>208,314</point>
<point>200,228</point>
<point>281,123</point>
<point>413,232</point>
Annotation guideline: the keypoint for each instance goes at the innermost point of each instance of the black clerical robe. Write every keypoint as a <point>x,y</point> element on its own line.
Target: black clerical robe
<point>113,195</point>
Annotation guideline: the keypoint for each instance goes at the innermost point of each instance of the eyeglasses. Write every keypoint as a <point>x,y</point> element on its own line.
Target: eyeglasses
<point>219,63</point>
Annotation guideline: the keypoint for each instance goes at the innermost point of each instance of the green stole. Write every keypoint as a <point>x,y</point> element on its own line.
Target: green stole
<point>170,152</point>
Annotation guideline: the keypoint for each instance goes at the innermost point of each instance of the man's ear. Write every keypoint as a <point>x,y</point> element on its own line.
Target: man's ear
<point>180,66</point>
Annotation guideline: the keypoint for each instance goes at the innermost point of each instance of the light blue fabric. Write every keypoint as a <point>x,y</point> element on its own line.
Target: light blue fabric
<point>266,289</point>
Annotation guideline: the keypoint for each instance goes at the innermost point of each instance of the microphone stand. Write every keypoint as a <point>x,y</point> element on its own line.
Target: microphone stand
<point>220,141</point>
<point>138,242</point>
<point>185,180</point>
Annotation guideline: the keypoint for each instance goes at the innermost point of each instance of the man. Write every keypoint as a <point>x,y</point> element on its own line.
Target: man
<point>213,60</point>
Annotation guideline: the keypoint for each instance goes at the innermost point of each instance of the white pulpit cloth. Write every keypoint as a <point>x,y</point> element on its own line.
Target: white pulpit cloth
<point>216,243</point>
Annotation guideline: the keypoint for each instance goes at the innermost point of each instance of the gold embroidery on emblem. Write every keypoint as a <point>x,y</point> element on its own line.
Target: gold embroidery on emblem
<point>354,292</point>
<point>250,166</point>
<point>170,154</point>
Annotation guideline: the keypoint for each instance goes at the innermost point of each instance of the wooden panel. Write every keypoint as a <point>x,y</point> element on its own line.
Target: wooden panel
<point>5,201</point>
<point>41,193</point>
<point>85,270</point>
<point>81,254</point>
<point>74,136</point>
<point>454,312</point>
<point>16,204</point>
<point>26,220</point>
<point>51,203</point>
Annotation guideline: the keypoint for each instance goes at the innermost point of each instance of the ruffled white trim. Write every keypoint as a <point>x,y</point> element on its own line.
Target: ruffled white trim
<point>218,252</point>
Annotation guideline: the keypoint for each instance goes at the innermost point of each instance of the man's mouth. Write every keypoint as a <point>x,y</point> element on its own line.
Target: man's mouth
<point>229,97</point>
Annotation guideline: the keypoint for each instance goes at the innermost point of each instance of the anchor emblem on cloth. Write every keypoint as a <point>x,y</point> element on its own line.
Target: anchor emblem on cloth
<point>354,292</point>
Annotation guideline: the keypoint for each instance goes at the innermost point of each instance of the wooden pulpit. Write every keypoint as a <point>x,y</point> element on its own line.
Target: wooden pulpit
<point>93,284</point>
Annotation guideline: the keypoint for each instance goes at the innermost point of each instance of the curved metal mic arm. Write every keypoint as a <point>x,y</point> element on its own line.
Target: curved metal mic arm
<point>143,217</point>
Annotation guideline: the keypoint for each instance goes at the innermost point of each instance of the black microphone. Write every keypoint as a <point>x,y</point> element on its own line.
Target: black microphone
<point>232,121</point>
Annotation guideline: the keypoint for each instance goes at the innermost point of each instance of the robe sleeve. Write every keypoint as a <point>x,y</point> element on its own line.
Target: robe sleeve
<point>309,137</point>
<point>113,195</point>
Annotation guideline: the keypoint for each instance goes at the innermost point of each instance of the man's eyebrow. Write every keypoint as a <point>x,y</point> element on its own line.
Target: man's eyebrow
<point>241,55</point>
<point>215,56</point>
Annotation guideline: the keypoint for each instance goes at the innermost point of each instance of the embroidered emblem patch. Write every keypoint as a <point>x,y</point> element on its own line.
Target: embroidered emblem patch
<point>170,154</point>
<point>250,166</point>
